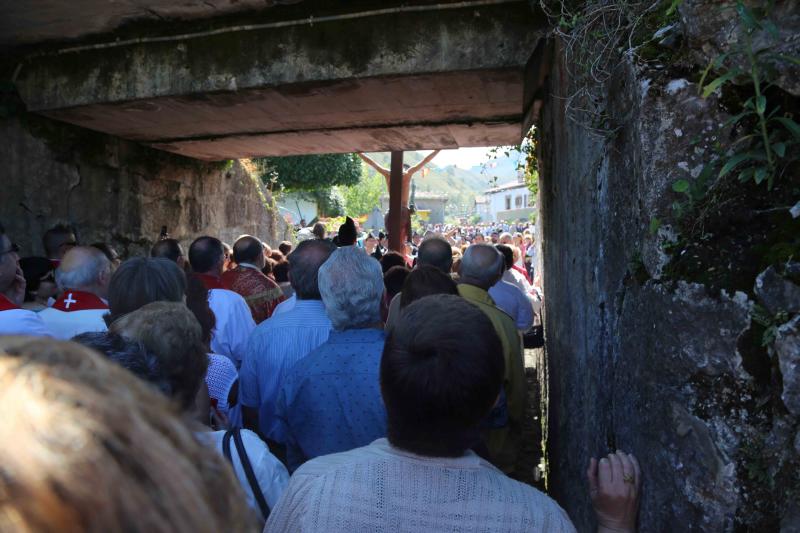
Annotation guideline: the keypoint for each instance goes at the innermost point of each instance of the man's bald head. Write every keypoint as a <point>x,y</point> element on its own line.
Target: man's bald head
<point>167,249</point>
<point>249,249</point>
<point>437,252</point>
<point>482,266</point>
<point>84,268</point>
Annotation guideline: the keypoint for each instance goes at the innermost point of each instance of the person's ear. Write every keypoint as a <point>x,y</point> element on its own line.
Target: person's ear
<point>104,279</point>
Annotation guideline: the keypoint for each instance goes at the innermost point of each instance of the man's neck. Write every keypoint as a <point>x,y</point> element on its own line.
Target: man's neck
<point>472,282</point>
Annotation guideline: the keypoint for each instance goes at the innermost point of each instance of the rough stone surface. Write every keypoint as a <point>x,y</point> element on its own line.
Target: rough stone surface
<point>791,520</point>
<point>712,29</point>
<point>787,347</point>
<point>776,293</point>
<point>117,191</point>
<point>650,366</point>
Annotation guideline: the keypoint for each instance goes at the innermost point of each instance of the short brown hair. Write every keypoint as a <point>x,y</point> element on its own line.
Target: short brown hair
<point>171,332</point>
<point>138,466</point>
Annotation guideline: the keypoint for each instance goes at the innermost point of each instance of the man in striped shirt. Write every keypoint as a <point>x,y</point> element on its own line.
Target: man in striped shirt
<point>282,340</point>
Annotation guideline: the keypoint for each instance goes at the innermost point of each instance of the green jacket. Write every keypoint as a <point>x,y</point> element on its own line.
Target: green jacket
<point>504,443</point>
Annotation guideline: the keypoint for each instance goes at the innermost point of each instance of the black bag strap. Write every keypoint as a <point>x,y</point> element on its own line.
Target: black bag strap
<point>248,471</point>
<point>226,446</point>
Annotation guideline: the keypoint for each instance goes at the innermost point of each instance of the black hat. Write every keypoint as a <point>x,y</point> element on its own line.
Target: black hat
<point>347,233</point>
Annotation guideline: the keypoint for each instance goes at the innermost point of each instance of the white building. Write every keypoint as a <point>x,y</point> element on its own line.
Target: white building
<point>295,207</point>
<point>425,201</point>
<point>481,208</point>
<point>510,202</point>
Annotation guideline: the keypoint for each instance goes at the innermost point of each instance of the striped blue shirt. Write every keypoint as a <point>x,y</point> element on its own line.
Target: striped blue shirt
<point>272,350</point>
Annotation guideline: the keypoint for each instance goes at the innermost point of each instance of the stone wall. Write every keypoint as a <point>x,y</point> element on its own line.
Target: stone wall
<point>645,362</point>
<point>120,192</point>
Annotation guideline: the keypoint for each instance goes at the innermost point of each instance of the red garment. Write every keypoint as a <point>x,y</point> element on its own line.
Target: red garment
<point>6,304</point>
<point>523,272</point>
<point>210,282</point>
<point>78,301</point>
<point>260,292</point>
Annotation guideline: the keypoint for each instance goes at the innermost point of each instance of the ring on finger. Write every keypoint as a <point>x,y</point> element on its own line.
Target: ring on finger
<point>628,478</point>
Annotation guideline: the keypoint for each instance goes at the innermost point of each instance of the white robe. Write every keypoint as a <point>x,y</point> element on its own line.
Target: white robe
<point>66,325</point>
<point>22,322</point>
<point>74,313</point>
<point>234,324</point>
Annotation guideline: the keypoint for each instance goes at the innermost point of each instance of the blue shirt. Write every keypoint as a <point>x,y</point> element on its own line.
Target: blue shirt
<point>331,400</point>
<point>272,350</point>
<point>509,298</point>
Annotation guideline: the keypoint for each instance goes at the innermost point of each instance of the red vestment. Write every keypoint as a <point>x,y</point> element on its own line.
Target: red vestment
<point>260,292</point>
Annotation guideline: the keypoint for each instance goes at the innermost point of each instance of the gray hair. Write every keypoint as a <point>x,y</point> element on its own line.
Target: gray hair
<point>482,265</point>
<point>351,285</point>
<point>86,275</point>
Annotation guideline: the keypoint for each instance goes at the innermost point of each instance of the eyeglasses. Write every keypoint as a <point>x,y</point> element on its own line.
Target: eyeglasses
<point>14,249</point>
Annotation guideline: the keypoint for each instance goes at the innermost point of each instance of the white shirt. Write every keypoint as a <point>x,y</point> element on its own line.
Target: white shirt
<point>272,476</point>
<point>382,488</point>
<point>234,324</point>
<point>23,322</point>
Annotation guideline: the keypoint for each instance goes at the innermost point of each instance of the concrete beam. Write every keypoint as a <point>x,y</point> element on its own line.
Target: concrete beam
<point>37,21</point>
<point>427,74</point>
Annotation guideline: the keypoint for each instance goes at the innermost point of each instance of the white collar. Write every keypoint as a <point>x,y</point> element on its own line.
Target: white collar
<point>250,265</point>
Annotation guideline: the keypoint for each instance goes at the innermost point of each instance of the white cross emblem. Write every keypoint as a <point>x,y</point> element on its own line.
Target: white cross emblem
<point>69,301</point>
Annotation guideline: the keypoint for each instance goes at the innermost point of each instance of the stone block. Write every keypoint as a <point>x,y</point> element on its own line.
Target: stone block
<point>776,293</point>
<point>787,348</point>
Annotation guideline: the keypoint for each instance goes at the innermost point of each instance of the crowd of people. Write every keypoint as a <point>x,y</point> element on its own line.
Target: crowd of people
<point>327,385</point>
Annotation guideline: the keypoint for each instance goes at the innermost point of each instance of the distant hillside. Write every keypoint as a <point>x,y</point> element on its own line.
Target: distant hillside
<point>460,185</point>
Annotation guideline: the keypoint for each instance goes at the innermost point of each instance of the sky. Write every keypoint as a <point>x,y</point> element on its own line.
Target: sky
<point>465,158</point>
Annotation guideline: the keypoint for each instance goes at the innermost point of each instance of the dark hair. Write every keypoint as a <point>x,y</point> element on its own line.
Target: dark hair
<point>281,271</point>
<point>437,252</point>
<point>304,263</point>
<point>347,233</point>
<point>508,255</point>
<point>319,230</point>
<point>52,238</point>
<point>34,268</point>
<point>140,281</point>
<point>285,247</point>
<point>167,249</point>
<point>129,354</point>
<point>426,280</point>
<point>393,280</point>
<point>108,250</point>
<point>245,250</point>
<point>392,259</point>
<point>441,372</point>
<point>197,302</point>
<point>205,253</point>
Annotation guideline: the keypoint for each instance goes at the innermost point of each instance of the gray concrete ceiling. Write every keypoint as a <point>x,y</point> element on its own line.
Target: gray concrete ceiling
<point>407,79</point>
<point>25,22</point>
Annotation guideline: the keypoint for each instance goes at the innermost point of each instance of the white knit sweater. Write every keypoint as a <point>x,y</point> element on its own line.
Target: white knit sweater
<point>381,488</point>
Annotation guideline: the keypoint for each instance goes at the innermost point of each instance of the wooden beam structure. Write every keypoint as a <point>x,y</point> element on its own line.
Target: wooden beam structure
<point>395,229</point>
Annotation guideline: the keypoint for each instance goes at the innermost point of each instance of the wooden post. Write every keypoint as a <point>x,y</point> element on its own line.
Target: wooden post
<point>396,228</point>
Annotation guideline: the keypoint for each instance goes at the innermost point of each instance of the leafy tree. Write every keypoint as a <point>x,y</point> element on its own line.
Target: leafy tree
<point>361,198</point>
<point>330,202</point>
<point>309,172</point>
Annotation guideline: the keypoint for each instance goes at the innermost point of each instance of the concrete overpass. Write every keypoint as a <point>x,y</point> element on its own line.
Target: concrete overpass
<point>312,77</point>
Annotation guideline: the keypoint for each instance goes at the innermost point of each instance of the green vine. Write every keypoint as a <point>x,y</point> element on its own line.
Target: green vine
<point>763,150</point>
